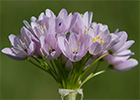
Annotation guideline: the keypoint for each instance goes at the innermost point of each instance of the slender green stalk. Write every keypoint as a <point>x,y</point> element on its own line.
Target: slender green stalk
<point>91,76</point>
<point>93,64</point>
<point>40,67</point>
<point>61,72</point>
<point>37,65</point>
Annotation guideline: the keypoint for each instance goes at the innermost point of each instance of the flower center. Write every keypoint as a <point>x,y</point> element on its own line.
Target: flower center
<point>43,26</point>
<point>75,52</point>
<point>98,39</point>
<point>51,50</point>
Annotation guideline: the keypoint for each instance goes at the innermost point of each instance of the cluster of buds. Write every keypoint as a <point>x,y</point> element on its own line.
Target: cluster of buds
<point>68,45</point>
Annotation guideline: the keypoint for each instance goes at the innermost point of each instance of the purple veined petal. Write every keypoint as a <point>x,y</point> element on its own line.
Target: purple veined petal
<point>126,65</point>
<point>107,41</point>
<point>31,49</point>
<point>103,27</point>
<point>49,13</point>
<point>74,57</point>
<point>111,44</point>
<point>96,30</point>
<point>11,54</point>
<point>41,16</point>
<point>60,25</point>
<point>83,50</point>
<point>85,19</point>
<point>38,32</point>
<point>26,24</point>
<point>45,21</point>
<point>124,53</point>
<point>104,34</point>
<point>12,39</point>
<point>31,30</point>
<point>92,48</point>
<point>34,24</point>
<point>33,19</point>
<point>115,60</point>
<point>25,35</point>
<point>79,24</point>
<point>91,33</point>
<point>63,13</point>
<point>73,41</point>
<point>58,51</point>
<point>122,39</point>
<point>116,31</point>
<point>20,52</point>
<point>90,17</point>
<point>85,43</point>
<point>86,40</point>
<point>73,21</point>
<point>51,56</point>
<point>63,44</point>
<point>51,40</point>
<point>18,43</point>
<point>126,45</point>
<point>95,48</point>
<point>42,41</point>
<point>68,20</point>
<point>98,49</point>
<point>93,24</point>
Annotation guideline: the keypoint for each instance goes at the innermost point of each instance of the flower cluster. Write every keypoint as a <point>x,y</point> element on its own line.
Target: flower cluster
<point>68,45</point>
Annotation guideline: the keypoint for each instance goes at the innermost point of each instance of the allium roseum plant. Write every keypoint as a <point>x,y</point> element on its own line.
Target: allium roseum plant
<point>68,45</point>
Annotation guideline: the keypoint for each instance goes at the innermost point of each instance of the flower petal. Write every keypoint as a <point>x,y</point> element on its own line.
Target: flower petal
<point>126,45</point>
<point>12,39</point>
<point>11,54</point>
<point>31,48</point>
<point>126,65</point>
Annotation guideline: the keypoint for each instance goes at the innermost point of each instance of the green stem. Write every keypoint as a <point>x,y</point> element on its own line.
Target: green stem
<point>44,69</point>
<point>93,64</point>
<point>37,65</point>
<point>91,76</point>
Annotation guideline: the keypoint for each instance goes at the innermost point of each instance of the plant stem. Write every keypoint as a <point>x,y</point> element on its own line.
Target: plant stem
<point>93,64</point>
<point>40,67</point>
<point>91,76</point>
<point>71,96</point>
<point>97,67</point>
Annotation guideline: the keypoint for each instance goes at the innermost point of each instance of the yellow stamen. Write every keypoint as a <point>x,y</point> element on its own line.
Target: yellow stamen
<point>98,41</point>
<point>99,37</point>
<point>86,30</point>
<point>74,48</point>
<point>44,25</point>
<point>38,25</point>
<point>94,39</point>
<point>79,43</point>
<point>23,43</point>
<point>102,41</point>
<point>50,47</point>
<point>81,15</point>
<point>25,38</point>
<point>22,38</point>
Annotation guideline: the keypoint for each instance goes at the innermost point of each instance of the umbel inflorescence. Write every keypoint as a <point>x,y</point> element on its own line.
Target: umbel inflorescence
<point>68,45</point>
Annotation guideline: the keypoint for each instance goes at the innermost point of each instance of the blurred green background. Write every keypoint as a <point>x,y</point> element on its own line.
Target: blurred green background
<point>21,80</point>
